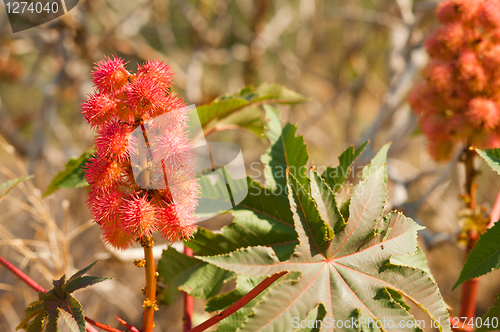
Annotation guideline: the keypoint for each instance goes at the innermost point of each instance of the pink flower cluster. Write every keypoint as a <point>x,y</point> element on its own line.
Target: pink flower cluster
<point>121,103</point>
<point>459,100</point>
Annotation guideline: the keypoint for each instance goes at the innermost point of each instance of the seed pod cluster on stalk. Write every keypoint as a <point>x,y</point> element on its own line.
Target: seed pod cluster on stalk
<point>459,99</point>
<point>122,104</point>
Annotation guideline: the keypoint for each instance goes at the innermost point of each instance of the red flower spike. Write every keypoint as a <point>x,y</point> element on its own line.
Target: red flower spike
<point>112,140</point>
<point>105,205</point>
<point>110,75</point>
<point>176,223</point>
<point>98,109</point>
<point>116,237</point>
<point>157,71</point>
<point>122,102</point>
<point>138,216</point>
<point>102,173</point>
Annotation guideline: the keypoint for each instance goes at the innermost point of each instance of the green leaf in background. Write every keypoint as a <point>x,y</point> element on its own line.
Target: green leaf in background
<point>287,152</point>
<point>250,118</point>
<point>353,279</point>
<point>53,302</point>
<point>181,272</point>
<point>484,256</point>
<point>72,175</point>
<point>227,105</point>
<point>336,176</point>
<point>492,157</point>
<point>10,184</point>
<point>491,323</point>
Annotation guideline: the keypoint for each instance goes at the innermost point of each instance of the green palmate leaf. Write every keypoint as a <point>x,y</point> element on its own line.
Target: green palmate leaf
<point>9,185</point>
<point>492,157</point>
<point>262,218</point>
<point>491,320</point>
<point>69,320</point>
<point>484,256</point>
<point>417,260</point>
<point>287,152</point>
<point>197,278</point>
<point>327,204</point>
<point>377,161</point>
<point>228,105</point>
<point>315,227</point>
<point>313,321</point>
<point>353,280</point>
<point>59,298</point>
<point>72,175</point>
<point>336,176</point>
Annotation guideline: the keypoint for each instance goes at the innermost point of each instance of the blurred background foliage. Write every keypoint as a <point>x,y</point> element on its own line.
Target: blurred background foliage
<point>355,60</point>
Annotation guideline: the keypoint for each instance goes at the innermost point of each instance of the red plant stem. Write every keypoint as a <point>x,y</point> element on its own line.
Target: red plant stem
<point>21,275</point>
<point>187,318</point>
<point>150,303</point>
<point>34,285</point>
<point>470,287</point>
<point>102,326</point>
<point>238,304</point>
<point>131,328</point>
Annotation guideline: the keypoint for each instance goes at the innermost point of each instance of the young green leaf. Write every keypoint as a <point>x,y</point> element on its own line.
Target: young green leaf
<point>491,320</point>
<point>353,279</point>
<point>33,310</point>
<point>492,157</point>
<point>72,175</point>
<point>59,298</point>
<point>484,256</point>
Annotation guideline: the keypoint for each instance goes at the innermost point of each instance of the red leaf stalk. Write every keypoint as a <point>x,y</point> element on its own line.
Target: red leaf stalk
<point>238,304</point>
<point>21,275</point>
<point>187,318</point>
<point>470,287</point>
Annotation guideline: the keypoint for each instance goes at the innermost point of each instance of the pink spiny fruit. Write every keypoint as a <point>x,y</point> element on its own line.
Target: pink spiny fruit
<point>121,103</point>
<point>458,101</point>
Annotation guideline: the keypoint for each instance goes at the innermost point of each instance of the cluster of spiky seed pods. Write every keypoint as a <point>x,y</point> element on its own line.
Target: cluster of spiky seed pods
<point>125,209</point>
<point>459,101</point>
